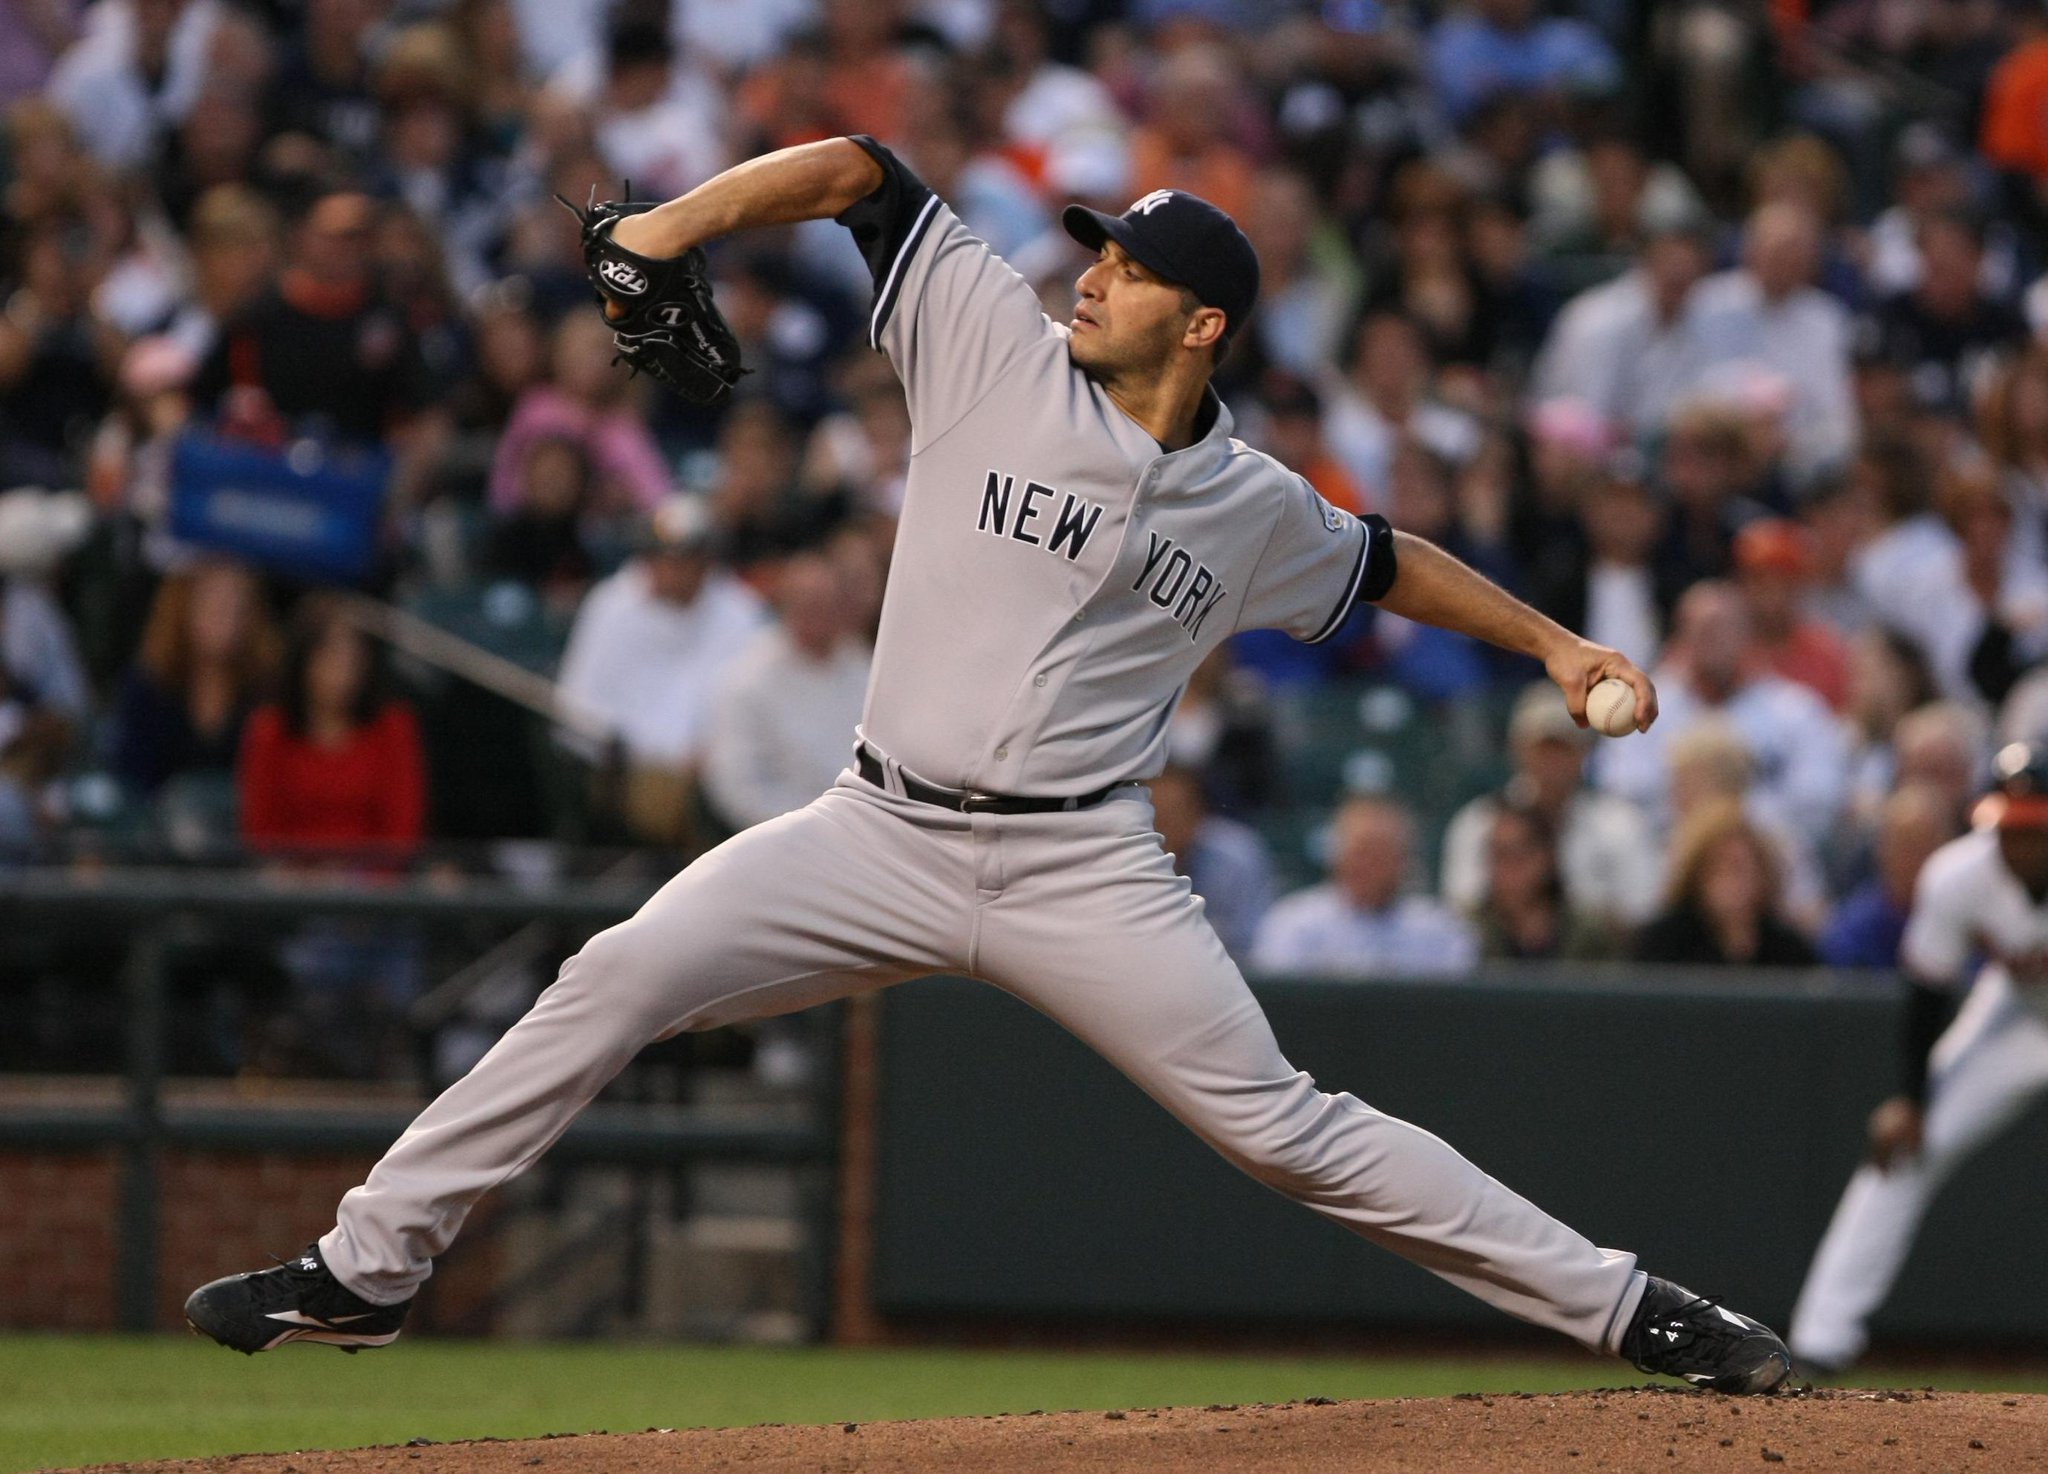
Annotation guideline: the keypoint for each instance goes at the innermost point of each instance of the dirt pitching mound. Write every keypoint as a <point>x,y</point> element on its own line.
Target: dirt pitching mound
<point>1642,1428</point>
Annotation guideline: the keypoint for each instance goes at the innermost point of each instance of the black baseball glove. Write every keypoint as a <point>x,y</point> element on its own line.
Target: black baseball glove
<point>661,314</point>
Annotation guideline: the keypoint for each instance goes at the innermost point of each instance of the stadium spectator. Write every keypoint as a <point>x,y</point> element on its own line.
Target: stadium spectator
<point>1294,437</point>
<point>57,357</point>
<point>43,692</point>
<point>1487,47</point>
<point>1428,275</point>
<point>1943,747</point>
<point>1888,677</point>
<point>1771,572</point>
<point>324,353</point>
<point>1711,764</point>
<point>1524,914</point>
<point>1608,859</point>
<point>656,117</point>
<point>1044,102</point>
<point>335,764</point>
<point>1710,473</point>
<point>209,654</point>
<point>1838,517</point>
<point>1434,664</point>
<point>1711,669</point>
<point>135,71</point>
<point>1722,902</point>
<point>781,725</point>
<point>1944,332</point>
<point>1191,137</point>
<point>1225,861</point>
<point>1359,922</point>
<point>1865,929</point>
<point>584,400</point>
<point>646,656</point>
<point>234,236</point>
<point>1767,314</point>
<point>1625,348</point>
<point>1605,582</point>
<point>1223,732</point>
<point>1306,290</point>
<point>2012,424</point>
<point>547,540</point>
<point>761,511</point>
<point>1387,392</point>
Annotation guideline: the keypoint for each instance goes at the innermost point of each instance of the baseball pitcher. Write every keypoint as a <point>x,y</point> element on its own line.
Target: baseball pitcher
<point>1079,530</point>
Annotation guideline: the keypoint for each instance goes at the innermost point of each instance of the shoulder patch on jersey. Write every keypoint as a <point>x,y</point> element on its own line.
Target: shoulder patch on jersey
<point>1332,518</point>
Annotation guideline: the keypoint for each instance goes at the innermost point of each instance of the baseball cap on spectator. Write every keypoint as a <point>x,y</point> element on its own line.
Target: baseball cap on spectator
<point>679,524</point>
<point>1541,715</point>
<point>1771,545</point>
<point>1185,239</point>
<point>1573,424</point>
<point>1089,163</point>
<point>1674,212</point>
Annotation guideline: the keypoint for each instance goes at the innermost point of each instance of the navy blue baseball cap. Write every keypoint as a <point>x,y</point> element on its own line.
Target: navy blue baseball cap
<point>1185,239</point>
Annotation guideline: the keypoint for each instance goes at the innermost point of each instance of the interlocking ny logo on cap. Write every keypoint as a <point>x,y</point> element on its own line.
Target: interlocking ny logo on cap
<point>1151,202</point>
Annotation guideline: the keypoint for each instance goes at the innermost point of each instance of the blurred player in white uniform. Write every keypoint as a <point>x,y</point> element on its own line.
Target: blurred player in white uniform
<point>1980,907</point>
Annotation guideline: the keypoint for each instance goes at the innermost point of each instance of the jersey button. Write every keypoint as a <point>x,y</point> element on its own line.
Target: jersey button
<point>1038,680</point>
<point>1001,753</point>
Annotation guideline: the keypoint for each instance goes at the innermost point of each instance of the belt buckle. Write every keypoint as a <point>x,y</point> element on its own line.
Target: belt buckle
<point>979,803</point>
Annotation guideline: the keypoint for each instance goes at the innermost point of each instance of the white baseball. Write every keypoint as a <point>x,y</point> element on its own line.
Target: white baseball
<point>1611,707</point>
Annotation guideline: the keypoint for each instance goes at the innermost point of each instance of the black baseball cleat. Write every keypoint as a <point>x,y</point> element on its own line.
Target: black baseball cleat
<point>1679,1334</point>
<point>297,1301</point>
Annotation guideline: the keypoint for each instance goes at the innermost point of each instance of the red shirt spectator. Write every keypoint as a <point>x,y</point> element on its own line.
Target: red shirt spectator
<point>1771,566</point>
<point>334,764</point>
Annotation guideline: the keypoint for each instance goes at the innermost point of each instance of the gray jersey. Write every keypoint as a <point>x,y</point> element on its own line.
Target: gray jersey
<point>1057,579</point>
<point>1057,574</point>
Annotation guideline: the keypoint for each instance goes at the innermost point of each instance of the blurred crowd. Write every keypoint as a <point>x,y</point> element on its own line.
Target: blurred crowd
<point>1717,330</point>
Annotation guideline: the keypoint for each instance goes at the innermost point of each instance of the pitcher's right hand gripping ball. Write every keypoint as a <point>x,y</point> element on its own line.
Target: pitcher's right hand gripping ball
<point>661,314</point>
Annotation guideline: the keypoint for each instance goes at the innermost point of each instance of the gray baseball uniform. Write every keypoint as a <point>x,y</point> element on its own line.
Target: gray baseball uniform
<point>1057,578</point>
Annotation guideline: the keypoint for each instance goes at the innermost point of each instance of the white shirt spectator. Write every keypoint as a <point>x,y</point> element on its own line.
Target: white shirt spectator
<point>733,33</point>
<point>1611,350</point>
<point>1320,931</point>
<point>38,654</point>
<point>1060,102</point>
<point>117,112</point>
<point>1621,610</point>
<point>1912,577</point>
<point>648,667</point>
<point>1363,440</point>
<point>666,149</point>
<point>1801,761</point>
<point>1803,338</point>
<point>782,727</point>
<point>1608,857</point>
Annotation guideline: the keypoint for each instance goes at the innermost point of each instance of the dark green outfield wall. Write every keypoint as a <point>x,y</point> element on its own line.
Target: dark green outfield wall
<point>1708,1125</point>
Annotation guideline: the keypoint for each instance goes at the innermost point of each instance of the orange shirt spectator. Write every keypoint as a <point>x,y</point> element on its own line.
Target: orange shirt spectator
<point>2015,132</point>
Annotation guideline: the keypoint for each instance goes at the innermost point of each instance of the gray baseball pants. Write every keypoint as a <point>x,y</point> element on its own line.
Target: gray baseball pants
<point>1080,915</point>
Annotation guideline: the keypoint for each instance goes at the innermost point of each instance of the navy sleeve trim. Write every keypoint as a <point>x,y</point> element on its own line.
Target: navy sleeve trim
<point>887,225</point>
<point>1372,574</point>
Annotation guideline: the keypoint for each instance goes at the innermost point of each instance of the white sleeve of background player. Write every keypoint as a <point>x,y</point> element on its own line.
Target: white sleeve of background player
<point>950,313</point>
<point>1941,933</point>
<point>1317,563</point>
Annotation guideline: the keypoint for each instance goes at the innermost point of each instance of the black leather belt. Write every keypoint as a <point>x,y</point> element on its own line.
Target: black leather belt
<point>870,767</point>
